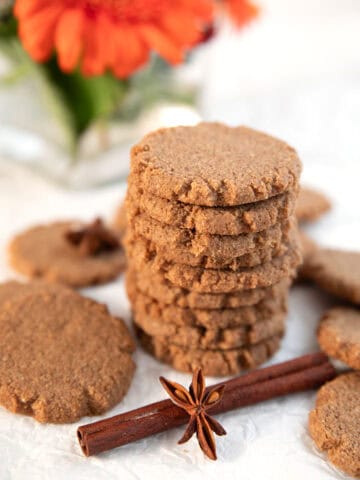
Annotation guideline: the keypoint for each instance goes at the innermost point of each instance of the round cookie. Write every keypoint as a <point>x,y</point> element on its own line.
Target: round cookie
<point>219,280</point>
<point>339,335</point>
<point>156,286</point>
<point>223,281</point>
<point>336,271</point>
<point>249,218</point>
<point>166,318</point>
<point>9,290</point>
<point>308,247</point>
<point>43,252</point>
<point>213,362</point>
<point>213,338</point>
<point>227,247</point>
<point>334,423</point>
<point>13,289</point>
<point>214,165</point>
<point>63,356</point>
<point>311,205</point>
<point>119,223</point>
<point>180,254</point>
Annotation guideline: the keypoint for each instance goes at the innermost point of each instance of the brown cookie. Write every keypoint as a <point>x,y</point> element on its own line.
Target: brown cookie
<point>13,289</point>
<point>156,286</point>
<point>311,205</point>
<point>335,422</point>
<point>308,247</point>
<point>339,335</point>
<point>225,247</point>
<point>214,165</point>
<point>336,271</point>
<point>181,255</point>
<point>43,252</point>
<point>167,317</point>
<point>224,281</point>
<point>213,362</point>
<point>249,218</point>
<point>213,338</point>
<point>219,280</point>
<point>9,290</point>
<point>119,223</point>
<point>63,356</point>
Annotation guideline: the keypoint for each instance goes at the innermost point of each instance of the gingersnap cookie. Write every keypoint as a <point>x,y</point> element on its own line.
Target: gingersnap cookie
<point>165,317</point>
<point>56,253</point>
<point>223,281</point>
<point>211,338</point>
<point>339,335</point>
<point>9,290</point>
<point>213,362</point>
<point>311,205</point>
<point>308,247</point>
<point>214,339</point>
<point>119,223</point>
<point>335,271</point>
<point>214,165</point>
<point>13,289</point>
<point>249,218</point>
<point>227,247</point>
<point>156,286</point>
<point>219,280</point>
<point>180,254</point>
<point>63,356</point>
<point>334,424</point>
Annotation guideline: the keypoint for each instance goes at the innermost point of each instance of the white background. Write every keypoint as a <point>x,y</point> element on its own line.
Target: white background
<point>296,74</point>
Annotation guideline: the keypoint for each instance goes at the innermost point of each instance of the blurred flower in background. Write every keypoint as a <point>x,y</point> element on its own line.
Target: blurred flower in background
<point>100,62</point>
<point>118,35</point>
<point>111,35</point>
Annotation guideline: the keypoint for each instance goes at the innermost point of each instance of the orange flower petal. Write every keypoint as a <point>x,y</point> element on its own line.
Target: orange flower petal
<point>183,29</point>
<point>99,45</point>
<point>161,43</point>
<point>203,9</point>
<point>131,52</point>
<point>93,63</point>
<point>111,34</point>
<point>242,11</point>
<point>24,8</point>
<point>68,38</point>
<point>37,33</point>
<point>106,43</point>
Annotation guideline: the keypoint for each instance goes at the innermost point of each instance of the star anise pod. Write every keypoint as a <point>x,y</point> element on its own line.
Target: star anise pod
<point>196,402</point>
<point>93,238</point>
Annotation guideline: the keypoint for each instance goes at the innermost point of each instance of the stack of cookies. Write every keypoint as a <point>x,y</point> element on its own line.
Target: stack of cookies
<point>211,244</point>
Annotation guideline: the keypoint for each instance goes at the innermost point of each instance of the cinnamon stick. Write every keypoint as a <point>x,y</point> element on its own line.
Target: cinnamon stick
<point>300,374</point>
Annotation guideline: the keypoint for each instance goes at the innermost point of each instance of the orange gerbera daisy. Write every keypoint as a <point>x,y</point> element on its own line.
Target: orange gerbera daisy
<point>115,35</point>
<point>241,11</point>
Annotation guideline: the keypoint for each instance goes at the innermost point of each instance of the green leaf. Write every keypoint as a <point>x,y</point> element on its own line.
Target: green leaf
<point>154,84</point>
<point>8,24</point>
<point>88,99</point>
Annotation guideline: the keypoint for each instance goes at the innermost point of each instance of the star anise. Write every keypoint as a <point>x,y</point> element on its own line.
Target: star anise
<point>93,238</point>
<point>196,402</point>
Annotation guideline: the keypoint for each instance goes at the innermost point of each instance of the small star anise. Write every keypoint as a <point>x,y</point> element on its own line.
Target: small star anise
<point>93,238</point>
<point>196,402</point>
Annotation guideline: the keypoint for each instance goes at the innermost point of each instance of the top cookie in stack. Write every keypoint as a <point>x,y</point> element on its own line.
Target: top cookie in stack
<point>211,244</point>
